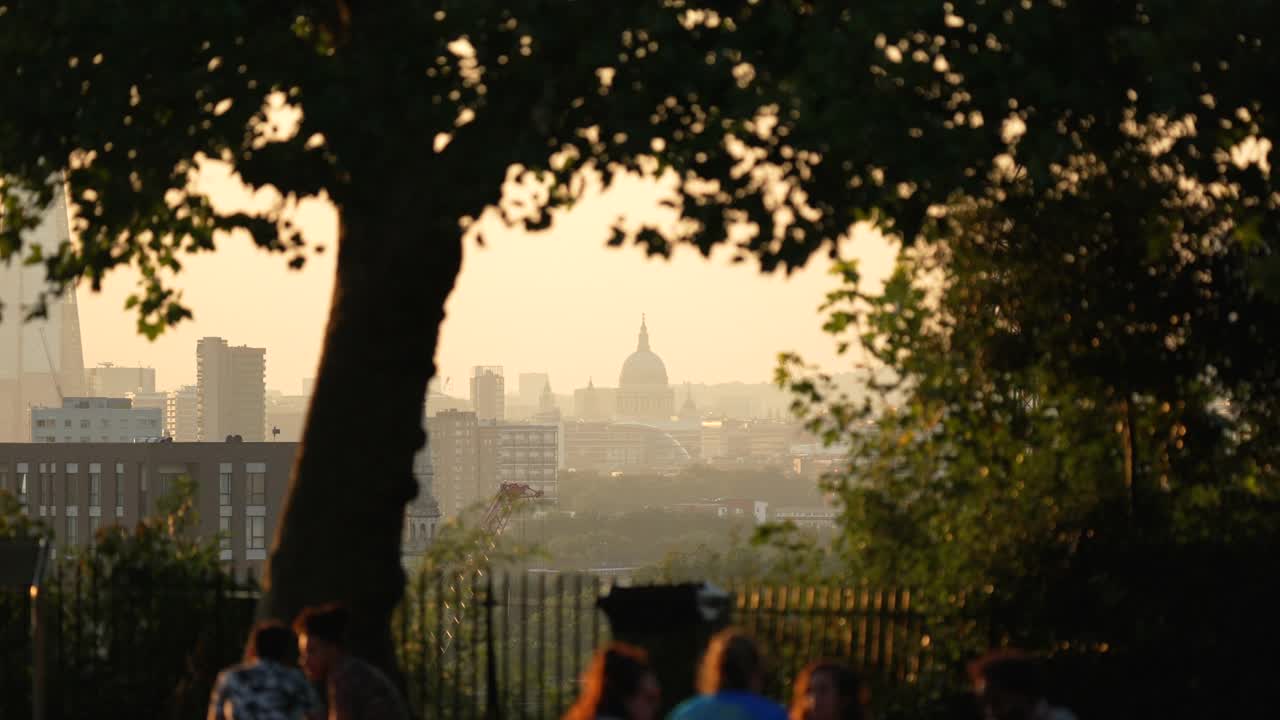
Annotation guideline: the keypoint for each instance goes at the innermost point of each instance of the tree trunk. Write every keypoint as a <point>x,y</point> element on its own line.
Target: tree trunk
<point>339,536</point>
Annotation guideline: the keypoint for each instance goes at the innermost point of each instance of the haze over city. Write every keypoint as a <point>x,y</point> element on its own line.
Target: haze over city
<point>560,302</point>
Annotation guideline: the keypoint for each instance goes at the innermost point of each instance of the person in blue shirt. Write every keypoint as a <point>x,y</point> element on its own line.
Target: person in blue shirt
<point>268,685</point>
<point>730,680</point>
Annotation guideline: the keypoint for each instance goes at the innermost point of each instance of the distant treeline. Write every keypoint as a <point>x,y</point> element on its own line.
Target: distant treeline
<point>597,493</point>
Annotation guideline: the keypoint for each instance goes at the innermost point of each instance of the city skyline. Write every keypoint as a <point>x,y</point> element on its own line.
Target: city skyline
<point>560,302</point>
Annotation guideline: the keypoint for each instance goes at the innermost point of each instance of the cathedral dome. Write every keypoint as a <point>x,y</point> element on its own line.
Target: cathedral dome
<point>643,367</point>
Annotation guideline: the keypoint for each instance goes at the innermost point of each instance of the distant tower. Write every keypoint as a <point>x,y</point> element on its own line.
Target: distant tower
<point>42,359</point>
<point>488,397</point>
<point>422,515</point>
<point>548,408</point>
<point>181,417</point>
<point>231,391</point>
<point>586,402</point>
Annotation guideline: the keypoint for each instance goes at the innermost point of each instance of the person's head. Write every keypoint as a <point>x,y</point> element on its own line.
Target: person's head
<point>272,640</point>
<point>1008,684</point>
<point>827,690</point>
<point>322,638</point>
<point>732,662</point>
<point>620,683</point>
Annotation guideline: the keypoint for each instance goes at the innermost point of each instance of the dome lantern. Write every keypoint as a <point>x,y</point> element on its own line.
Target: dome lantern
<point>643,368</point>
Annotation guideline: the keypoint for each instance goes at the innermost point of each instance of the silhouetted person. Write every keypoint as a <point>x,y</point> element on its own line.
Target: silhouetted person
<point>828,690</point>
<point>730,681</point>
<point>1009,687</point>
<point>619,685</point>
<point>353,689</point>
<point>268,685</point>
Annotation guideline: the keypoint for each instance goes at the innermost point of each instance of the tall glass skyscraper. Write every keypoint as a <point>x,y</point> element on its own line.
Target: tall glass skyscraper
<point>43,359</point>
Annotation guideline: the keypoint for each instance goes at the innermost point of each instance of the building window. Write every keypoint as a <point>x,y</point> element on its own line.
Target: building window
<point>72,486</point>
<point>255,532</point>
<point>224,533</point>
<point>167,482</point>
<point>71,531</point>
<point>119,488</point>
<point>84,424</point>
<point>93,527</point>
<point>46,486</point>
<point>257,488</point>
<point>21,482</point>
<point>224,484</point>
<point>95,489</point>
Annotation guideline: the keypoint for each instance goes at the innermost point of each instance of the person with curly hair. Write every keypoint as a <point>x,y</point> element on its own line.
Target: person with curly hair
<point>619,685</point>
<point>828,690</point>
<point>730,681</point>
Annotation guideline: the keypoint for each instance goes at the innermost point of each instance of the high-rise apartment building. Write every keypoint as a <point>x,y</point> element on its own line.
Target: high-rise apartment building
<point>231,391</point>
<point>453,436</point>
<point>487,438</point>
<point>527,454</point>
<point>181,414</point>
<point>487,392</point>
<point>471,458</point>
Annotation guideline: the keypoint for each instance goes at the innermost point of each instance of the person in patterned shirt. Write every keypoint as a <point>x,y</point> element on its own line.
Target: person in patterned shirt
<point>354,689</point>
<point>267,685</point>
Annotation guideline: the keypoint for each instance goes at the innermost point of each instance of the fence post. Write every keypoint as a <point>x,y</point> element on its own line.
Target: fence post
<point>494,711</point>
<point>524,644</point>
<point>28,564</point>
<point>542,642</point>
<point>424,638</point>
<point>38,679</point>
<point>440,628</point>
<point>218,612</point>
<point>559,642</point>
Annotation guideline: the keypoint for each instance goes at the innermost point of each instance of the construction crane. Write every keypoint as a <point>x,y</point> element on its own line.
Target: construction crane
<point>495,520</point>
<point>503,505</point>
<point>49,359</point>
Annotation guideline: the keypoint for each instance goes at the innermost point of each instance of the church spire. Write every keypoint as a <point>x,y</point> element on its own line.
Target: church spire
<point>643,344</point>
<point>547,401</point>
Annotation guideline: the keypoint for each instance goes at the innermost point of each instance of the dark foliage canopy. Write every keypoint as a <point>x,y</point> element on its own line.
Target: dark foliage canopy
<point>793,118</point>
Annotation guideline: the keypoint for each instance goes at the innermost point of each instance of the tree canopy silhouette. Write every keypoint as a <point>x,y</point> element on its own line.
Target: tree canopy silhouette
<point>784,121</point>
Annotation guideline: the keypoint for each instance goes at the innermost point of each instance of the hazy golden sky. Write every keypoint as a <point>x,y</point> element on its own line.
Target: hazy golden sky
<point>558,302</point>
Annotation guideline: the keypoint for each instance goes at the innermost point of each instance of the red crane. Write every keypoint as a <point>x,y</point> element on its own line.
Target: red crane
<point>504,504</point>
